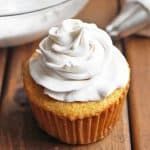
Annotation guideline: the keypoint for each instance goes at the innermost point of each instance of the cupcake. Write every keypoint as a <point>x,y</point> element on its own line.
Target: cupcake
<point>76,82</point>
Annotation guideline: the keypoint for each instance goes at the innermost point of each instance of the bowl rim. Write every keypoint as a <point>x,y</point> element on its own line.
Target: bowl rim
<point>35,10</point>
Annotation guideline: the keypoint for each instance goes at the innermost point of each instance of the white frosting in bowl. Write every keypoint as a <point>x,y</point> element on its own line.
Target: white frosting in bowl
<point>78,62</point>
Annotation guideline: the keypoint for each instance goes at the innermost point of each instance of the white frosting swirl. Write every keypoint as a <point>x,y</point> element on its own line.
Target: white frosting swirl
<point>78,62</point>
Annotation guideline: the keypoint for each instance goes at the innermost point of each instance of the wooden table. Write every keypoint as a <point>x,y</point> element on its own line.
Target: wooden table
<point>18,129</point>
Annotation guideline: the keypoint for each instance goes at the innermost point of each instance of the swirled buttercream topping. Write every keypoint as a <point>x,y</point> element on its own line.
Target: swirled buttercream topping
<point>78,62</point>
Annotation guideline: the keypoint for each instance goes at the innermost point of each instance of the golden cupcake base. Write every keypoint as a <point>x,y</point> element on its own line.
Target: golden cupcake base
<point>79,131</point>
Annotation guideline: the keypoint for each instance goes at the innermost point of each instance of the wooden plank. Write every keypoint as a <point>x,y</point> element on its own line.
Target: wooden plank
<point>18,129</point>
<point>3,57</point>
<point>12,120</point>
<point>100,12</point>
<point>138,54</point>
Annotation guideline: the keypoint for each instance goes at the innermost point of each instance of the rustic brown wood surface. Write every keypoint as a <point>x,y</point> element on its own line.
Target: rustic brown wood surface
<point>18,129</point>
<point>3,55</point>
<point>138,54</point>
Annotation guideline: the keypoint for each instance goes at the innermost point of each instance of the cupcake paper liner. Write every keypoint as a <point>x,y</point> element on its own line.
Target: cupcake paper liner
<point>79,131</point>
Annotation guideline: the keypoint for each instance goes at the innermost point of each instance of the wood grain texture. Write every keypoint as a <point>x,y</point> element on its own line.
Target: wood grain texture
<point>3,57</point>
<point>13,105</point>
<point>99,11</point>
<point>18,129</point>
<point>138,54</point>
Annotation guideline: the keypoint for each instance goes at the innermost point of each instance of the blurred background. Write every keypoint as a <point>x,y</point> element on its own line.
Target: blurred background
<point>25,21</point>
